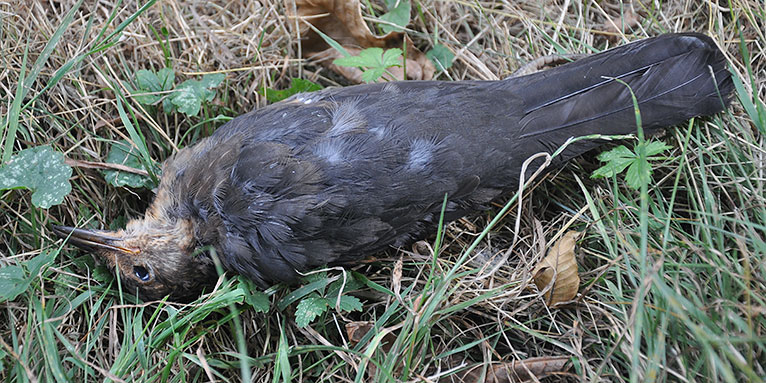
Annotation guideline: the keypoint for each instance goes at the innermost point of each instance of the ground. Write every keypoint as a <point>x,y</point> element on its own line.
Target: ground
<point>687,305</point>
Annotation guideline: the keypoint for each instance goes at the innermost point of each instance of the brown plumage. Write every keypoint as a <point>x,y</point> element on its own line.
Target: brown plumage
<point>331,176</point>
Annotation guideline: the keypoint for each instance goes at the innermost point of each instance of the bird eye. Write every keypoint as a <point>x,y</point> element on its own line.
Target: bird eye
<point>141,273</point>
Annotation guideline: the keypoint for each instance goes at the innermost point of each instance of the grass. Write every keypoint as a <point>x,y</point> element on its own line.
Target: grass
<point>673,276</point>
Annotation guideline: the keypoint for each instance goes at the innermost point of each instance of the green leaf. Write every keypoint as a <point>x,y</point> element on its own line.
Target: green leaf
<point>350,303</point>
<point>620,158</point>
<point>351,284</point>
<point>654,148</point>
<point>297,85</point>
<point>258,300</point>
<point>315,277</point>
<point>3,354</point>
<point>302,292</point>
<point>102,273</point>
<point>369,57</point>
<point>36,264</point>
<point>635,177</point>
<point>40,169</point>
<point>372,74</point>
<point>398,14</point>
<point>616,153</point>
<point>616,160</point>
<point>374,59</point>
<point>123,153</point>
<point>212,80</point>
<point>149,82</point>
<point>441,56</point>
<point>391,57</point>
<point>254,297</point>
<point>310,308</point>
<point>14,280</point>
<point>190,94</point>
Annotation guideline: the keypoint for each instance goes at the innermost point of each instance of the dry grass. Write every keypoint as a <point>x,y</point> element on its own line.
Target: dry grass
<point>697,314</point>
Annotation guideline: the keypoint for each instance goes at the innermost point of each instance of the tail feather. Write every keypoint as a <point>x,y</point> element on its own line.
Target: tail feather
<point>674,77</point>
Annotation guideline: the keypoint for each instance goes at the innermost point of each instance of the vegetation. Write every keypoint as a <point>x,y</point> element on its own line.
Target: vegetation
<point>672,261</point>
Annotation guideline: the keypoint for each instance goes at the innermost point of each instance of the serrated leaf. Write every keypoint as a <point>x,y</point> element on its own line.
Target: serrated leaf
<point>297,85</point>
<point>167,78</point>
<point>40,169</point>
<point>635,177</point>
<point>147,81</point>
<point>391,57</point>
<point>123,153</point>
<point>398,14</point>
<point>374,59</point>
<point>441,56</point>
<point>654,148</point>
<point>612,168</point>
<point>615,153</point>
<point>309,309</point>
<point>369,57</point>
<point>350,303</point>
<point>350,284</point>
<point>187,101</point>
<point>620,158</point>
<point>373,74</point>
<point>617,159</point>
<point>315,277</point>
<point>258,301</point>
<point>254,297</point>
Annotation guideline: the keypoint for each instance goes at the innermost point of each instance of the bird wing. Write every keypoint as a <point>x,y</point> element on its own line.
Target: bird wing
<point>331,175</point>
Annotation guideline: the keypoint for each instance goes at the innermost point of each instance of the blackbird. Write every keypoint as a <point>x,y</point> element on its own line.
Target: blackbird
<point>331,176</point>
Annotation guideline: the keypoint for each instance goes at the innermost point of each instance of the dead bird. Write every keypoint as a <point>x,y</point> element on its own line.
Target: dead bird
<point>331,176</point>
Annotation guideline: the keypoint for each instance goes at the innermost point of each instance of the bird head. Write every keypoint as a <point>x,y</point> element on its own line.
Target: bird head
<point>154,259</point>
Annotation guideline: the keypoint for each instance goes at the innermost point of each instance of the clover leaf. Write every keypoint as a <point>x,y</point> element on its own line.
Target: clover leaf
<point>40,169</point>
<point>441,56</point>
<point>190,94</point>
<point>398,14</point>
<point>123,153</point>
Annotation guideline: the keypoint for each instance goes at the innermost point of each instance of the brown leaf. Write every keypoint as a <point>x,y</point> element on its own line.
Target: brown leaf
<point>621,23</point>
<point>357,330</point>
<point>560,264</point>
<point>342,21</point>
<point>516,371</point>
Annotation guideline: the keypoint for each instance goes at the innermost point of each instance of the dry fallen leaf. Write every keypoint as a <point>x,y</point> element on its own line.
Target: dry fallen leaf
<point>560,263</point>
<point>621,24</point>
<point>357,330</point>
<point>342,21</point>
<point>516,371</point>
